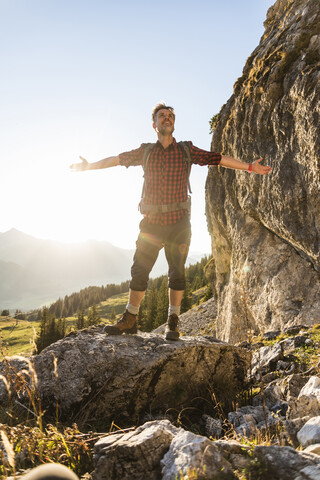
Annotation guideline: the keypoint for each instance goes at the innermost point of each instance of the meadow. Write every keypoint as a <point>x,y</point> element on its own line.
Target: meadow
<point>18,336</point>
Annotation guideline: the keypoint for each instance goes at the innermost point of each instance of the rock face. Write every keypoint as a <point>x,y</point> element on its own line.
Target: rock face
<point>121,377</point>
<point>265,229</point>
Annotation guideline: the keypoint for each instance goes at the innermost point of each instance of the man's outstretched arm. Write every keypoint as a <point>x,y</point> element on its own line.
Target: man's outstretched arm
<point>230,162</point>
<point>104,163</point>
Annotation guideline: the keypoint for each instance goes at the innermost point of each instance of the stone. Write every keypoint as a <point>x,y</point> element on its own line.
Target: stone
<point>292,427</point>
<point>295,329</point>
<point>313,448</point>
<point>311,388</point>
<point>285,389</point>
<point>134,455</point>
<point>310,432</point>
<point>271,335</point>
<point>158,450</point>
<point>282,365</point>
<point>285,463</point>
<point>121,377</point>
<point>212,426</point>
<point>247,421</point>
<point>308,401</point>
<point>265,359</point>
<point>265,230</point>
<point>191,454</point>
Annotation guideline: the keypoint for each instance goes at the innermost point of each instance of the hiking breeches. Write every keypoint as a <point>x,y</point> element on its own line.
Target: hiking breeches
<point>175,239</point>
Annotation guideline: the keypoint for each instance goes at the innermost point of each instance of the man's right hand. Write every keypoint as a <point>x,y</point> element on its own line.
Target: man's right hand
<point>80,167</point>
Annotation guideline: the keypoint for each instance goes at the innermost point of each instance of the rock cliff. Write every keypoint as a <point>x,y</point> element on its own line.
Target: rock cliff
<point>265,229</point>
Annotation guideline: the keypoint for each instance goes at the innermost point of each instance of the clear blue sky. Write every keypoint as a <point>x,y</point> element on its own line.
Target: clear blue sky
<point>81,78</point>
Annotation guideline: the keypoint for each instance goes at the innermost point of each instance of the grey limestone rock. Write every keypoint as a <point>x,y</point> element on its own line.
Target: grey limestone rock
<point>124,376</point>
<point>313,448</point>
<point>285,463</point>
<point>193,454</point>
<point>134,455</point>
<point>310,432</point>
<point>265,229</point>
<point>265,359</point>
<point>308,400</point>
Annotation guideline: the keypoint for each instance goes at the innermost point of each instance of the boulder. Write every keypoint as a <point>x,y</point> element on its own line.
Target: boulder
<point>90,374</point>
<point>134,455</point>
<point>285,463</point>
<point>308,401</point>
<point>158,450</point>
<point>310,432</point>
<point>195,456</point>
<point>313,448</point>
<point>265,359</point>
<point>265,229</point>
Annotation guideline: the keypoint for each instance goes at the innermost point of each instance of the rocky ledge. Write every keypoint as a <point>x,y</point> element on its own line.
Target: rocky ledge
<point>89,375</point>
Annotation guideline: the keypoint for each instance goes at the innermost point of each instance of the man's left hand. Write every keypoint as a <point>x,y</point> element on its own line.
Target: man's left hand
<point>260,169</point>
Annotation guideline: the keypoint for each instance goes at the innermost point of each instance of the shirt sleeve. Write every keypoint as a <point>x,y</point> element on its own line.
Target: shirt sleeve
<point>203,157</point>
<point>132,158</point>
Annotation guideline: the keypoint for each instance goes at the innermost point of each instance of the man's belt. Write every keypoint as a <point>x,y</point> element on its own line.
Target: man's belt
<point>166,208</point>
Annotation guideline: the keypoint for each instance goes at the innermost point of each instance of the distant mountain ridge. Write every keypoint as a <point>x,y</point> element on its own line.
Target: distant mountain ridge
<point>34,272</point>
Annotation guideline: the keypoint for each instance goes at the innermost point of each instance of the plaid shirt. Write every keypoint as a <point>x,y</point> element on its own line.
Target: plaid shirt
<point>166,179</point>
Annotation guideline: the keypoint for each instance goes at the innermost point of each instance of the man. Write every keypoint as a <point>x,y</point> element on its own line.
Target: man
<point>166,209</point>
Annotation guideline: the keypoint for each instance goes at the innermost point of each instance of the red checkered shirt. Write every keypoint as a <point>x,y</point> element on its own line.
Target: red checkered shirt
<point>166,179</point>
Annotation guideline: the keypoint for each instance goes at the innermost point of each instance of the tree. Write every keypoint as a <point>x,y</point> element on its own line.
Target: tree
<point>51,330</point>
<point>5,313</point>
<point>162,304</point>
<point>93,317</point>
<point>186,303</point>
<point>209,293</point>
<point>150,310</point>
<point>113,314</point>
<point>80,320</point>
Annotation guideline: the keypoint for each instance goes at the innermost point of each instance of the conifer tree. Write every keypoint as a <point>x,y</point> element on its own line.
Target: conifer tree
<point>113,314</point>
<point>80,320</point>
<point>162,304</point>
<point>51,330</point>
<point>151,308</point>
<point>186,303</point>
<point>93,317</point>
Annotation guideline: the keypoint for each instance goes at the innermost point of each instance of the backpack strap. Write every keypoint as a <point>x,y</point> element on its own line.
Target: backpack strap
<point>148,147</point>
<point>187,158</point>
<point>152,209</point>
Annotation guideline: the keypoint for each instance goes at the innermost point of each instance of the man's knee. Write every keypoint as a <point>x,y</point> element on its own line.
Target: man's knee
<point>177,283</point>
<point>139,284</point>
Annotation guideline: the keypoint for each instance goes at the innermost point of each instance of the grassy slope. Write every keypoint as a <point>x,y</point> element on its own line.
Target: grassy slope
<point>17,336</point>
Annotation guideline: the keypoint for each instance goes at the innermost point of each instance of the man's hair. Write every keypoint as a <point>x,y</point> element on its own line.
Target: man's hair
<point>161,106</point>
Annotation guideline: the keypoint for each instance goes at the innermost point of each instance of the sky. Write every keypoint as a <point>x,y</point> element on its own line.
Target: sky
<point>81,77</point>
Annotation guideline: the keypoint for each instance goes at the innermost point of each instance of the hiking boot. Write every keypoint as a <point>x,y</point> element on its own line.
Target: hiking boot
<point>127,324</point>
<point>172,332</point>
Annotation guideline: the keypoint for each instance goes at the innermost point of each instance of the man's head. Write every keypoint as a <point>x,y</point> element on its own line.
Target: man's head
<point>163,118</point>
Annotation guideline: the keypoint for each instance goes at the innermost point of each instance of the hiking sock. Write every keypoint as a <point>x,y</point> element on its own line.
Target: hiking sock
<point>174,309</point>
<point>132,309</point>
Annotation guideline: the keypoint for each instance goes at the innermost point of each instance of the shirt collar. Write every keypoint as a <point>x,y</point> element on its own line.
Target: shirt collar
<point>173,144</point>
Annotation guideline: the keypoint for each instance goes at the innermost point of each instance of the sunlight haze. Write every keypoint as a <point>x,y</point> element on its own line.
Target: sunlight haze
<point>82,77</point>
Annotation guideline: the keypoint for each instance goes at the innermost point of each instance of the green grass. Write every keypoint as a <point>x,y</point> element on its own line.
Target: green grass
<point>117,303</point>
<point>18,336</point>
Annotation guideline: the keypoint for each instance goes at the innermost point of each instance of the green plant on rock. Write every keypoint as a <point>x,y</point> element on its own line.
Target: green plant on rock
<point>213,122</point>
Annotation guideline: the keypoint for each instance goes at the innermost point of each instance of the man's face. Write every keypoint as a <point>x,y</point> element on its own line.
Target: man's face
<point>164,122</point>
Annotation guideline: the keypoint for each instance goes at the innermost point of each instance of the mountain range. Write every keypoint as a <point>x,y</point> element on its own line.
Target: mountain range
<point>35,272</point>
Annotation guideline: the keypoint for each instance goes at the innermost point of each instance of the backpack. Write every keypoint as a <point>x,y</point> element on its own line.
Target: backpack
<point>147,209</point>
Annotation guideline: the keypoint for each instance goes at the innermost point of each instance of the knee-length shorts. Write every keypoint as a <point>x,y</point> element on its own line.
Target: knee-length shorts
<point>176,241</point>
